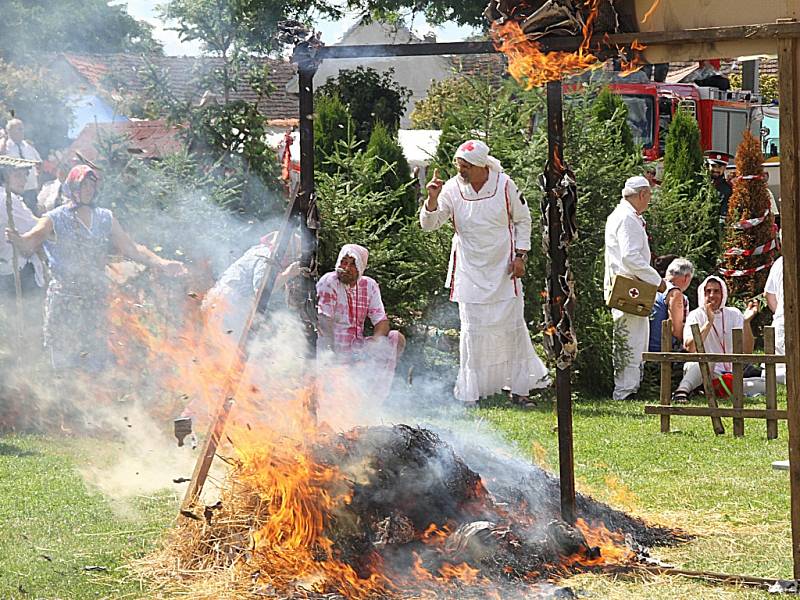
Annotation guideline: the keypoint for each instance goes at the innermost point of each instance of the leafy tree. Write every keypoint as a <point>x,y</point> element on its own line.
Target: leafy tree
<point>332,122</point>
<point>430,112</point>
<point>371,97</point>
<point>29,29</point>
<point>605,108</point>
<point>767,85</point>
<point>750,200</point>
<point>463,12</point>
<point>386,150</point>
<point>33,97</point>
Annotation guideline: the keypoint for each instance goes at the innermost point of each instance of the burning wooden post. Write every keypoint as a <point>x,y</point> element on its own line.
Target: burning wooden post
<point>558,230</point>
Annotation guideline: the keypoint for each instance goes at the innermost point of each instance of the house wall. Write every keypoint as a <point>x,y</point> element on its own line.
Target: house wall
<point>415,73</point>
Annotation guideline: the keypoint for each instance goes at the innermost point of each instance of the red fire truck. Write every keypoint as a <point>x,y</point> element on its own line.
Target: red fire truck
<point>723,116</point>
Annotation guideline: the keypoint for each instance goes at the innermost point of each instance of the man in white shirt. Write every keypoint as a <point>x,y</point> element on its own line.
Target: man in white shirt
<point>492,237</point>
<point>773,290</point>
<point>627,253</point>
<point>717,323</point>
<point>24,220</point>
<point>15,145</point>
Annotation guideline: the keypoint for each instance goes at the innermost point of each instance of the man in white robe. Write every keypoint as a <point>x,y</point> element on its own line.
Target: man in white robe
<point>627,253</point>
<point>15,145</point>
<point>490,246</point>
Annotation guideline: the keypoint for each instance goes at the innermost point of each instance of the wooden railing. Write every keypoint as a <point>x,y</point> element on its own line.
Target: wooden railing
<point>769,359</point>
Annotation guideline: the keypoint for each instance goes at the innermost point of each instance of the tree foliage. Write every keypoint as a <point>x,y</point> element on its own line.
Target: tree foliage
<point>41,104</point>
<point>332,123</point>
<point>29,29</point>
<point>606,107</point>
<point>750,200</point>
<point>430,112</point>
<point>436,12</point>
<point>683,155</point>
<point>370,96</point>
<point>384,148</point>
<point>684,216</point>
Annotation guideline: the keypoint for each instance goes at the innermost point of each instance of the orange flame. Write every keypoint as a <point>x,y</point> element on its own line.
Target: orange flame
<point>532,67</point>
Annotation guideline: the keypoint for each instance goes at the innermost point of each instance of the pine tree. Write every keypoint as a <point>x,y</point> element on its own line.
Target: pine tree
<point>683,155</point>
<point>750,200</point>
<point>386,150</point>
<point>606,106</point>
<point>332,123</point>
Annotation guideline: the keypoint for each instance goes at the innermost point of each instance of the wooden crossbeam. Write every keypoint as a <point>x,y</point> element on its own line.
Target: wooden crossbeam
<point>706,411</point>
<point>707,357</point>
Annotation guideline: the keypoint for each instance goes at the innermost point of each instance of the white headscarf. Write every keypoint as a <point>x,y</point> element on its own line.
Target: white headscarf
<point>476,153</point>
<point>357,253</point>
<point>701,289</point>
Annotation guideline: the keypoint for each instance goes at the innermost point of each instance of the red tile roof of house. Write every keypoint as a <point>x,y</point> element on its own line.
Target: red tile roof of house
<point>125,72</point>
<point>145,139</point>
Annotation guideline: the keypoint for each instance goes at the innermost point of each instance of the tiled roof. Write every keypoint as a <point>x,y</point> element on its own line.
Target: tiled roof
<point>488,66</point>
<point>112,72</point>
<point>145,139</point>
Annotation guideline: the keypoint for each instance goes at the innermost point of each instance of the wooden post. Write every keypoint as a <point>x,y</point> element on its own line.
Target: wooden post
<point>789,93</point>
<point>705,371</point>
<point>558,270</point>
<point>738,382</point>
<point>15,264</point>
<point>772,384</point>
<point>666,372</point>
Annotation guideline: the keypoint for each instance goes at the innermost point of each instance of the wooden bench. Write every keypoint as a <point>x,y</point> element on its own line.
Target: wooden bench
<point>771,413</point>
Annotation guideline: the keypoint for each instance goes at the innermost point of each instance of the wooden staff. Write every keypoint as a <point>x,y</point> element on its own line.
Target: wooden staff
<point>234,376</point>
<point>15,262</point>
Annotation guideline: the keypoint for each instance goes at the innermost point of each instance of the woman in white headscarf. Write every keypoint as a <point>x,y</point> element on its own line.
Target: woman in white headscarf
<point>490,246</point>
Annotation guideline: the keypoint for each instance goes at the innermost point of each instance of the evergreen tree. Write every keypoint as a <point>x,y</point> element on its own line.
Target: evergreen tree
<point>606,107</point>
<point>683,217</point>
<point>332,124</point>
<point>683,155</point>
<point>750,200</point>
<point>386,150</point>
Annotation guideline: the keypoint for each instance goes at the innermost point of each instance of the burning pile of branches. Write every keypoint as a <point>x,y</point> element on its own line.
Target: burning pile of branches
<point>375,512</point>
<point>517,25</point>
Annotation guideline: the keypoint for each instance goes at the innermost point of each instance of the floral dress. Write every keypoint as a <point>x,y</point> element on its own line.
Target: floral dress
<point>76,323</point>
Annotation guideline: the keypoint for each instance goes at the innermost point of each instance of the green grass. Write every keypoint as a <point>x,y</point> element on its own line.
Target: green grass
<point>720,488</point>
<point>52,526</point>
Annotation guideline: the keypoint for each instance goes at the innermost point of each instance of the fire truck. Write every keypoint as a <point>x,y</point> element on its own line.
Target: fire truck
<point>723,116</point>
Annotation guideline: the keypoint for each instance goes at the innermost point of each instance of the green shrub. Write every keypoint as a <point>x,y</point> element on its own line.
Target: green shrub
<point>386,150</point>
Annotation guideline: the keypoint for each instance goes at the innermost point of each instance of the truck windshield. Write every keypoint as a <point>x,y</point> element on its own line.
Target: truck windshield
<point>640,118</point>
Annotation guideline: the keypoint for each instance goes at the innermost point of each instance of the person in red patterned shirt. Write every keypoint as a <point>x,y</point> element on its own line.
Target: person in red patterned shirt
<point>345,299</point>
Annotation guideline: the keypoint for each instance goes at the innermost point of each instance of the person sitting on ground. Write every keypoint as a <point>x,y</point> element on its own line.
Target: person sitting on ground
<point>717,323</point>
<point>671,304</point>
<point>230,301</point>
<point>773,291</point>
<point>345,298</point>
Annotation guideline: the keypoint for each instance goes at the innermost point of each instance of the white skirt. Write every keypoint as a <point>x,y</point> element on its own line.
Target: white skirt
<point>496,351</point>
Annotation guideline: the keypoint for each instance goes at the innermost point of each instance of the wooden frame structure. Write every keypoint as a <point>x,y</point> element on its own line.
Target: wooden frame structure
<point>782,37</point>
<point>666,359</point>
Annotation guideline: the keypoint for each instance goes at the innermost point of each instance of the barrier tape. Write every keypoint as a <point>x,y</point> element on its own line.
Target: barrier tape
<point>763,248</point>
<point>749,223</point>
<point>744,272</point>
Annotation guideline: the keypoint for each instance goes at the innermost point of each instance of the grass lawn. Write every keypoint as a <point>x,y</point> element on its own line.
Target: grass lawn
<point>721,489</point>
<point>60,539</point>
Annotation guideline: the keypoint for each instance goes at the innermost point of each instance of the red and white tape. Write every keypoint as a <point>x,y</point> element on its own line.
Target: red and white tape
<point>762,249</point>
<point>749,223</point>
<point>744,272</point>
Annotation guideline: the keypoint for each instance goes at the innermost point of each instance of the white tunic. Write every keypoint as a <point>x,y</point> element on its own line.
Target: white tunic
<point>24,220</point>
<point>627,250</point>
<point>489,225</point>
<point>25,150</point>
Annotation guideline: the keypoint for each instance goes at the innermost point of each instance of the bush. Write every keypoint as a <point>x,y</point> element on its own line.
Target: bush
<point>386,151</point>
<point>683,155</point>
<point>370,96</point>
<point>606,107</point>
